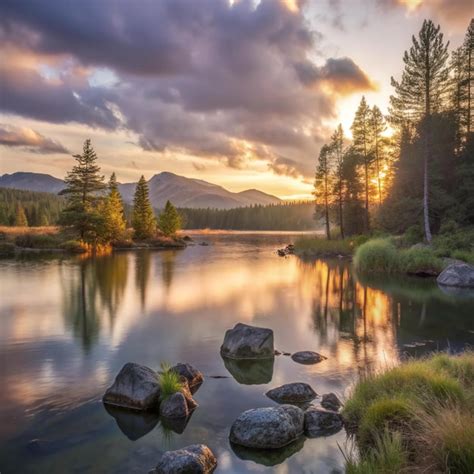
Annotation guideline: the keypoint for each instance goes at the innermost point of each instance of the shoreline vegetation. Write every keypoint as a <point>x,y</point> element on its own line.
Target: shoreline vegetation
<point>415,417</point>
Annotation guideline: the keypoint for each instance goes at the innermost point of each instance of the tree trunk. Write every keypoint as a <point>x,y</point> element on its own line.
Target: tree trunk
<point>341,217</point>
<point>328,231</point>
<point>426,214</point>
<point>367,219</point>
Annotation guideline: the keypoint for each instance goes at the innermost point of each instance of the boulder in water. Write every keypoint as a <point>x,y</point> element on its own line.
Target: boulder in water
<point>321,422</point>
<point>248,342</point>
<point>457,274</point>
<point>194,459</point>
<point>297,392</point>
<point>308,357</point>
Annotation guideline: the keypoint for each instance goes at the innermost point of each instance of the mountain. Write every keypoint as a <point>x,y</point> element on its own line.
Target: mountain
<point>32,182</point>
<point>181,191</point>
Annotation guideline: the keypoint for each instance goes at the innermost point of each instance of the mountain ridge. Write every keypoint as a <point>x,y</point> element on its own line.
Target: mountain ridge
<point>180,190</point>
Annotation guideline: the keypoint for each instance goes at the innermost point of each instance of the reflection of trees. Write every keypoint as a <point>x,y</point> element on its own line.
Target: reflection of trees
<point>94,285</point>
<point>142,274</point>
<point>168,262</point>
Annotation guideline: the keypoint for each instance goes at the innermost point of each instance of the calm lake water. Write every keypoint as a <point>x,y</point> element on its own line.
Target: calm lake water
<point>68,326</point>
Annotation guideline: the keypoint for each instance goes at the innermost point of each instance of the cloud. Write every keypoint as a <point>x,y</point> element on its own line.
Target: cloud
<point>233,82</point>
<point>288,167</point>
<point>29,139</point>
<point>456,13</point>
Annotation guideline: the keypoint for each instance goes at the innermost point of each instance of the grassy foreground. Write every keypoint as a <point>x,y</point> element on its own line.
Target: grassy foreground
<point>418,417</point>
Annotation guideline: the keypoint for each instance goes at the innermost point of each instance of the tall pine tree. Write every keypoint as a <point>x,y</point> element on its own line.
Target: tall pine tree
<point>84,184</point>
<point>420,94</point>
<point>322,187</point>
<point>115,223</point>
<point>169,221</point>
<point>337,141</point>
<point>143,218</point>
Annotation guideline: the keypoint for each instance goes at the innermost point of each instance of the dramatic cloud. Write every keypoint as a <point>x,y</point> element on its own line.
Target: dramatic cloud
<point>231,81</point>
<point>29,139</point>
<point>456,13</point>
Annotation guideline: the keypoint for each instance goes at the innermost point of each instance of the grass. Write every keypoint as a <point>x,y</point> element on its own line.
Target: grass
<point>169,380</point>
<point>321,247</point>
<point>382,256</point>
<point>419,414</point>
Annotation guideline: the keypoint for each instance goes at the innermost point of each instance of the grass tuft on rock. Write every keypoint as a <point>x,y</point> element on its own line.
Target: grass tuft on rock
<point>427,404</point>
<point>170,382</point>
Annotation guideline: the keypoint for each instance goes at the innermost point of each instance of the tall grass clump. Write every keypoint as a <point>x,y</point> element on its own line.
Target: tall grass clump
<point>377,255</point>
<point>419,260</point>
<point>322,247</point>
<point>169,380</point>
<point>428,405</point>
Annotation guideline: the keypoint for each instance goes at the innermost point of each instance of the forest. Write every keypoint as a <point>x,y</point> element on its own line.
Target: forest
<point>414,168</point>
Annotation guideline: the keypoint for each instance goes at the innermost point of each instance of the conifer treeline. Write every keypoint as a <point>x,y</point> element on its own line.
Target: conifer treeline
<point>423,174</point>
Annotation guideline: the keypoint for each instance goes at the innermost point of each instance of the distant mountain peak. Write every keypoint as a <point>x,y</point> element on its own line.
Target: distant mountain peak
<point>181,191</point>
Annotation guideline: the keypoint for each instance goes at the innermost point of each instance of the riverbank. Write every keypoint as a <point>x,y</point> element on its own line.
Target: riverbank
<point>52,239</point>
<point>417,417</point>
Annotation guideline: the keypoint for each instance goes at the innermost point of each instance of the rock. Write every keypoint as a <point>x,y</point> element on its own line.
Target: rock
<point>191,374</point>
<point>175,406</point>
<point>268,428</point>
<point>187,238</point>
<point>458,274</point>
<point>321,422</point>
<point>194,459</point>
<point>286,353</point>
<point>277,353</point>
<point>135,387</point>
<point>133,424</point>
<point>297,392</point>
<point>250,371</point>
<point>268,457</point>
<point>281,252</point>
<point>308,357</point>
<point>331,402</point>
<point>248,342</point>
<point>204,244</point>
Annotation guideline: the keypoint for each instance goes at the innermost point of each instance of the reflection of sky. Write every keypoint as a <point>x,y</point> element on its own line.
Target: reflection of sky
<point>60,353</point>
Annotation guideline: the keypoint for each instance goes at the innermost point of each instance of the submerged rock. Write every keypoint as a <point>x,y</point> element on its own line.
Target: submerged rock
<point>135,387</point>
<point>133,424</point>
<point>268,428</point>
<point>268,457</point>
<point>194,459</point>
<point>193,376</point>
<point>297,392</point>
<point>250,371</point>
<point>248,342</point>
<point>457,274</point>
<point>330,401</point>
<point>321,422</point>
<point>308,357</point>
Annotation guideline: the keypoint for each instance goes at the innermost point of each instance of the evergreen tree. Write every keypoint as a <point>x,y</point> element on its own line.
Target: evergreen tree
<point>377,127</point>
<point>169,221</point>
<point>83,192</point>
<point>337,141</point>
<point>143,218</point>
<point>361,138</point>
<point>420,94</point>
<point>115,223</point>
<point>20,217</point>
<point>322,187</point>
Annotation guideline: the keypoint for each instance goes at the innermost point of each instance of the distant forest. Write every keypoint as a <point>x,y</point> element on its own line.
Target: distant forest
<point>32,208</point>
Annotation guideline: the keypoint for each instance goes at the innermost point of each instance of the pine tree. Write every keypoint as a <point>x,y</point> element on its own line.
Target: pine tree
<point>337,141</point>
<point>377,127</point>
<point>169,221</point>
<point>420,94</point>
<point>361,138</point>
<point>83,192</point>
<point>115,223</point>
<point>20,217</point>
<point>143,218</point>
<point>322,186</point>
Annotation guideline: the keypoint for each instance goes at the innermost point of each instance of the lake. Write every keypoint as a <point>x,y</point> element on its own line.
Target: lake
<point>69,324</point>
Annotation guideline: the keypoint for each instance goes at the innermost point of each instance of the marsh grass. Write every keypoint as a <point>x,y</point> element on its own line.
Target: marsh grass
<point>169,381</point>
<point>426,405</point>
<point>321,247</point>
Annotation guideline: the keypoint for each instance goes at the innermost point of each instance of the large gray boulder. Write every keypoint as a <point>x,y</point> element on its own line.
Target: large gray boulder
<point>175,406</point>
<point>457,274</point>
<point>248,342</point>
<point>321,422</point>
<point>297,392</point>
<point>193,376</point>
<point>194,459</point>
<point>308,357</point>
<point>135,387</point>
<point>268,428</point>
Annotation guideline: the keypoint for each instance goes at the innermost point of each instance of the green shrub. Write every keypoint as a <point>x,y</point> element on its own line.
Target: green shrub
<point>38,241</point>
<point>73,246</point>
<point>315,246</point>
<point>463,255</point>
<point>419,260</point>
<point>413,235</point>
<point>446,244</point>
<point>377,255</point>
<point>169,381</point>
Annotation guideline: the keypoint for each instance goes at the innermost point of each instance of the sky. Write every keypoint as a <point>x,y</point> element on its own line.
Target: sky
<point>241,93</point>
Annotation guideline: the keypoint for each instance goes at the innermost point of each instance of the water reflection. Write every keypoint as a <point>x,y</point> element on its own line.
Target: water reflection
<point>68,326</point>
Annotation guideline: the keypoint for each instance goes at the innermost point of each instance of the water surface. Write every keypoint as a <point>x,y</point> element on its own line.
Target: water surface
<point>68,325</point>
